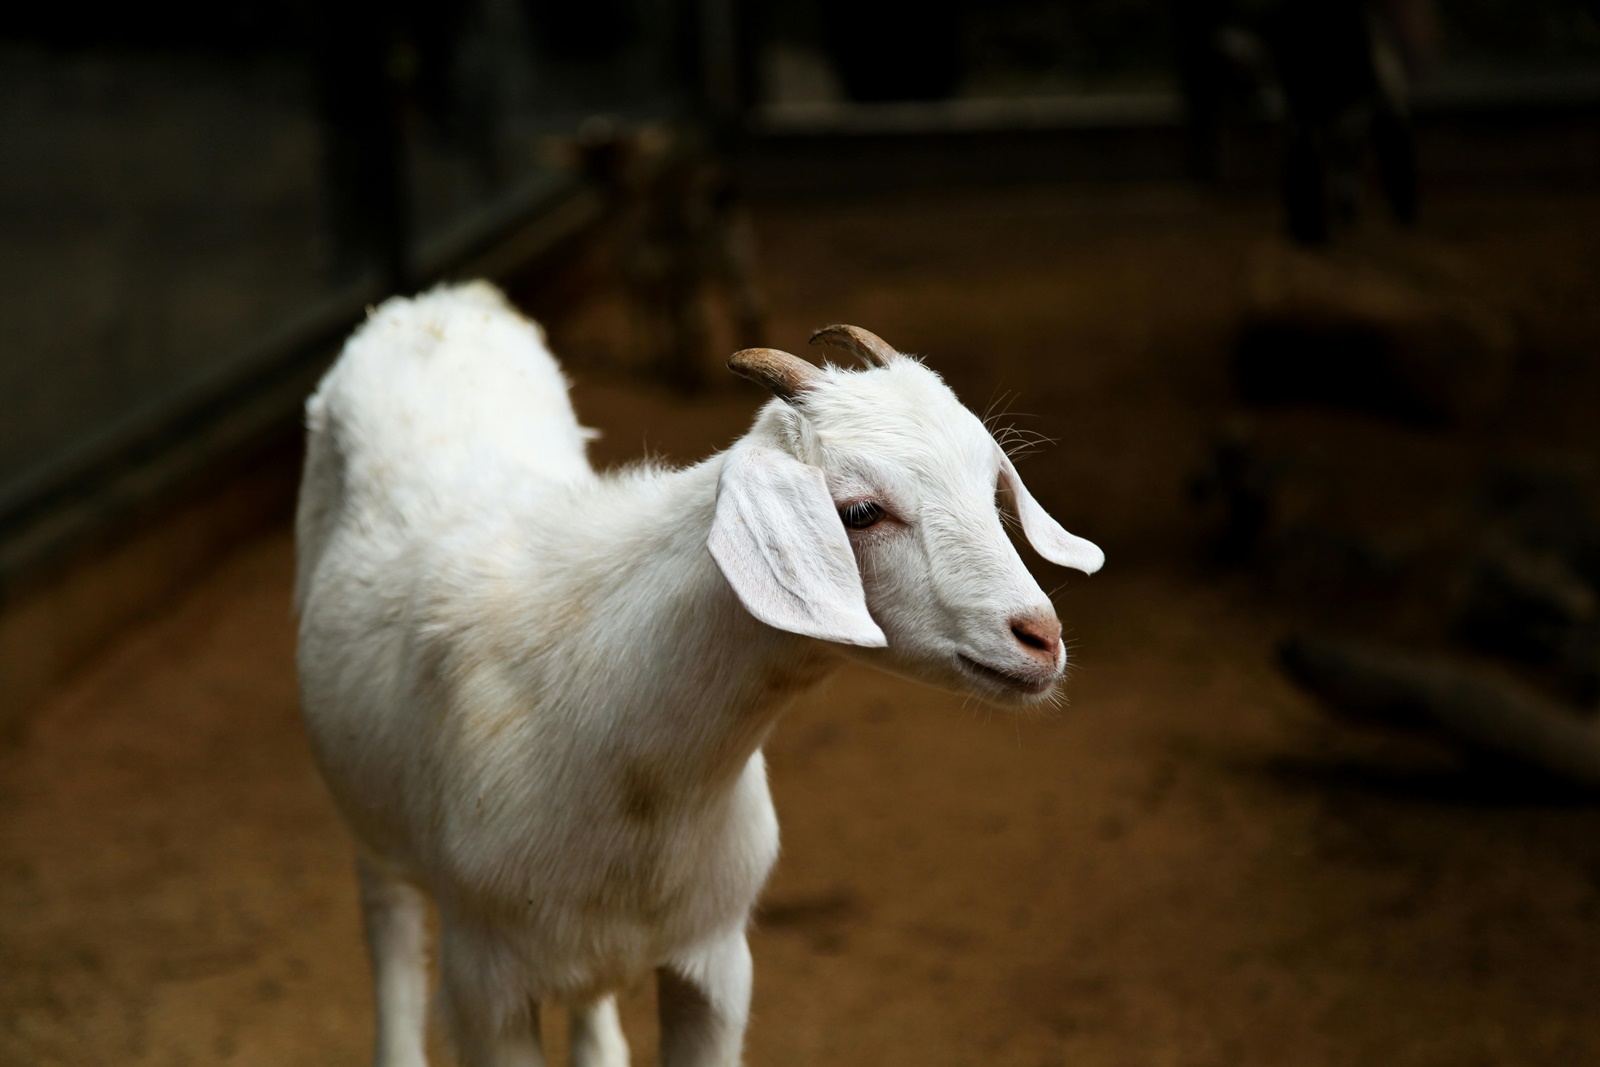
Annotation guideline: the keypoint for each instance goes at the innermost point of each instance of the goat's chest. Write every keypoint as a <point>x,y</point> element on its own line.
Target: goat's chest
<point>683,868</point>
<point>605,890</point>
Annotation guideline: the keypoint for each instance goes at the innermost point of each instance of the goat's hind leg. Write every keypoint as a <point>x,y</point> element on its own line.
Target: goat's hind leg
<point>704,1000</point>
<point>395,913</point>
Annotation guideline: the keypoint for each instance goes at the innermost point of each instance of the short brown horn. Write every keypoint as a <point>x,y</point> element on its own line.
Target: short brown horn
<point>786,375</point>
<point>865,346</point>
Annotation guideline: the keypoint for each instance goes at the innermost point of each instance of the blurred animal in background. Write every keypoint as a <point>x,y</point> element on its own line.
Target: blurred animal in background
<point>1401,331</point>
<point>1238,487</point>
<point>474,81</point>
<point>684,244</point>
<point>1434,696</point>
<point>1344,83</point>
<point>1336,72</point>
<point>1259,509</point>
<point>1530,591</point>
<point>539,693</point>
<point>1500,656</point>
<point>1480,618</point>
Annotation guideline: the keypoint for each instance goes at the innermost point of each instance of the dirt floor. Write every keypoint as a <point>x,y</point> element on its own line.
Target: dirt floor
<point>1188,865</point>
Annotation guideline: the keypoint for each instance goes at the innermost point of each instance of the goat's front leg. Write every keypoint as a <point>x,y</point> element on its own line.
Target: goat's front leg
<point>704,999</point>
<point>597,1039</point>
<point>492,1025</point>
<point>395,915</point>
<point>479,1043</point>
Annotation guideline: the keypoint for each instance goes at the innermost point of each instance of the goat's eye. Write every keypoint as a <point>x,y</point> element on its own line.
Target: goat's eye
<point>860,514</point>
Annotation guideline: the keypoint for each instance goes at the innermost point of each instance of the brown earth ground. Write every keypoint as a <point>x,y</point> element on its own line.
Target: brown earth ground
<point>1184,866</point>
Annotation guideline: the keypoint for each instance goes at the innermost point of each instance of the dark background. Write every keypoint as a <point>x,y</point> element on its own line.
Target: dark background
<point>1298,300</point>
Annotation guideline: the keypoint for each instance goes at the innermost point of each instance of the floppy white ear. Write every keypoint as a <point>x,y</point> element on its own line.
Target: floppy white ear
<point>1044,533</point>
<point>781,546</point>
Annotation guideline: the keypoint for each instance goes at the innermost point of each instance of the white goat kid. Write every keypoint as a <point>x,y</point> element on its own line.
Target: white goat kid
<point>539,700</point>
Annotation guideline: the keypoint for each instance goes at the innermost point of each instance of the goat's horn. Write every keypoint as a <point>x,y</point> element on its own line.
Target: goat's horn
<point>867,347</point>
<point>786,375</point>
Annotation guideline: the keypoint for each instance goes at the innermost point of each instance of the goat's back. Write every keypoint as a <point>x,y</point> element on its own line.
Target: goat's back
<point>437,407</point>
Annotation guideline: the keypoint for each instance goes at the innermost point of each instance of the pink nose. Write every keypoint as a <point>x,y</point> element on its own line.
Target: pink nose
<point>1040,634</point>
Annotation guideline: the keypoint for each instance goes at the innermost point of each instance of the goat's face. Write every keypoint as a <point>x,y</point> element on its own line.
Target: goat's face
<point>915,489</point>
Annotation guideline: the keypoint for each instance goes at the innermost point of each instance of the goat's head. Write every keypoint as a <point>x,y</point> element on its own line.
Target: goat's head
<point>865,508</point>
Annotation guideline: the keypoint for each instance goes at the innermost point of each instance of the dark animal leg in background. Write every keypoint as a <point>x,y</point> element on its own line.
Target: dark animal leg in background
<point>1385,688</point>
<point>1397,163</point>
<point>1305,194</point>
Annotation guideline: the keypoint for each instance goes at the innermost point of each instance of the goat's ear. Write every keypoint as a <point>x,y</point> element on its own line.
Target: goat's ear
<point>781,546</point>
<point>1043,532</point>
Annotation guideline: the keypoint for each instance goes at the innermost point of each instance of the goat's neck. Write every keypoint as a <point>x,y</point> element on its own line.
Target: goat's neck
<point>702,680</point>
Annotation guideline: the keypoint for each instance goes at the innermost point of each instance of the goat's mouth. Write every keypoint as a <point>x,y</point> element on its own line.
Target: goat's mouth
<point>1031,685</point>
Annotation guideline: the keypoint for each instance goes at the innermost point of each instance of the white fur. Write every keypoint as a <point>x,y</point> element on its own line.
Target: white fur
<point>539,699</point>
